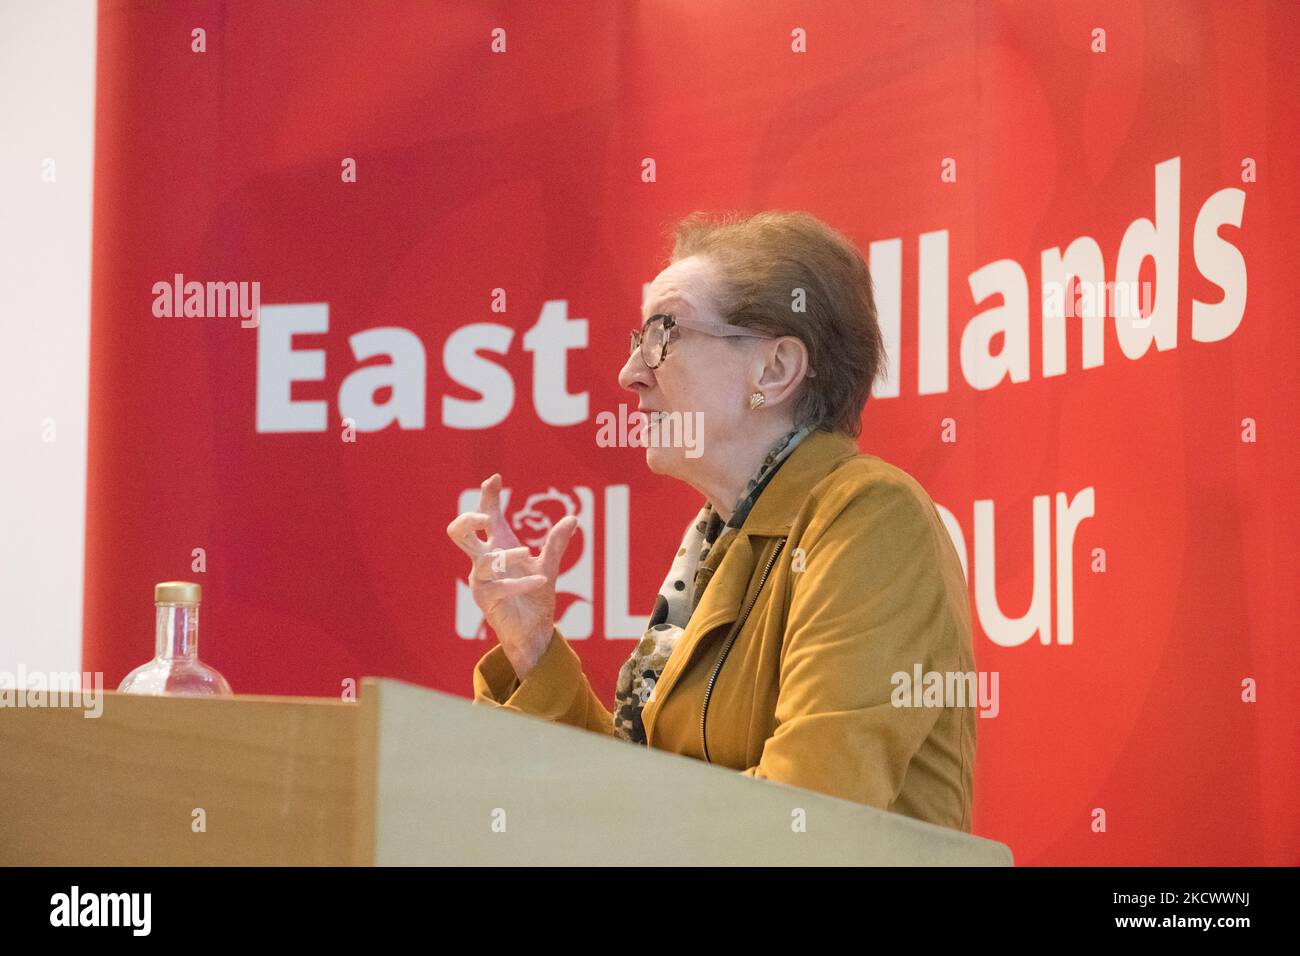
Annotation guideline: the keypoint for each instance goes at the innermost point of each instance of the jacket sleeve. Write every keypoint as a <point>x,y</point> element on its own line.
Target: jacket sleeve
<point>556,689</point>
<point>882,591</point>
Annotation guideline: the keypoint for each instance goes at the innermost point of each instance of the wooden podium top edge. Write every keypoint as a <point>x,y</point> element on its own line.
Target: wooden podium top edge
<point>367,685</point>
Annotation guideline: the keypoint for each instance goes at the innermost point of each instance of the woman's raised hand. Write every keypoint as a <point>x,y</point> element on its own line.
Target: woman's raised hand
<point>514,590</point>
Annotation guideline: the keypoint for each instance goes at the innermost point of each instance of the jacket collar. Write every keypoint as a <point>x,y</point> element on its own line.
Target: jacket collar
<point>814,458</point>
<point>773,515</point>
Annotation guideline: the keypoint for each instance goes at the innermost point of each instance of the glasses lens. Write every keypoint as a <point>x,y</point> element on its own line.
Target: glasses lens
<point>652,343</point>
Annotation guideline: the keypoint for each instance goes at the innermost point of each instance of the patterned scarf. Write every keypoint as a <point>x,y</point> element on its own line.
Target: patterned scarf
<point>702,549</point>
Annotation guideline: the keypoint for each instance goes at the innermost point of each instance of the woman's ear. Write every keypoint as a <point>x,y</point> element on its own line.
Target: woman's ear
<point>785,368</point>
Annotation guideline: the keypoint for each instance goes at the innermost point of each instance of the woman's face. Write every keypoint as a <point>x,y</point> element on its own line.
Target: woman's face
<point>702,378</point>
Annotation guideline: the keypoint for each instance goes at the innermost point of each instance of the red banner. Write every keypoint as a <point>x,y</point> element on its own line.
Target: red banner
<point>351,259</point>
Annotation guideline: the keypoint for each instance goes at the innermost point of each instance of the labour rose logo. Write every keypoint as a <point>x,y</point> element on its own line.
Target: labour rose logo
<point>532,522</point>
<point>539,514</point>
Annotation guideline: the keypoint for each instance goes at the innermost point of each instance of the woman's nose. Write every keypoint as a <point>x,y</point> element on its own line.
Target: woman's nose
<point>635,373</point>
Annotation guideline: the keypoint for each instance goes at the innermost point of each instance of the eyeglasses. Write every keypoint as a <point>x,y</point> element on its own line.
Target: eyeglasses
<point>654,336</point>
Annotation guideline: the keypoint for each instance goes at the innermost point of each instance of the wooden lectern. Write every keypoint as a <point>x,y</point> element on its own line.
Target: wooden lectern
<point>405,776</point>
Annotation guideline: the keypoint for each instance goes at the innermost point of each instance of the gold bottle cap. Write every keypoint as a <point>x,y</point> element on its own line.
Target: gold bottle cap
<point>177,592</point>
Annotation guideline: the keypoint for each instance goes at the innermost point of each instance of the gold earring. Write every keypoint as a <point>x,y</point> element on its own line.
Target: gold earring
<point>757,399</point>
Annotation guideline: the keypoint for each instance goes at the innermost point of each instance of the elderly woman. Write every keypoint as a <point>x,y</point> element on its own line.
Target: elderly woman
<point>811,576</point>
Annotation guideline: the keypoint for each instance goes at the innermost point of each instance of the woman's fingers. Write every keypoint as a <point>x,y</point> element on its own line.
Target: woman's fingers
<point>489,503</point>
<point>463,531</point>
<point>497,563</point>
<point>491,591</point>
<point>557,539</point>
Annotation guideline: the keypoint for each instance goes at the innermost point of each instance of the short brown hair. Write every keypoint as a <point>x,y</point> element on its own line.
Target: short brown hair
<point>761,260</point>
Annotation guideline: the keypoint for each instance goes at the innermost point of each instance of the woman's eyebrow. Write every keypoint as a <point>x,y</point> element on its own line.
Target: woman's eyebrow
<point>662,304</point>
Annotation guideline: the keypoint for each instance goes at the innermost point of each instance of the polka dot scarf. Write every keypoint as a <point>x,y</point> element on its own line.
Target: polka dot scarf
<point>701,551</point>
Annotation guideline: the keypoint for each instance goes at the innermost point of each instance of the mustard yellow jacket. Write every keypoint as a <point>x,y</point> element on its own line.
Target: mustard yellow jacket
<point>842,576</point>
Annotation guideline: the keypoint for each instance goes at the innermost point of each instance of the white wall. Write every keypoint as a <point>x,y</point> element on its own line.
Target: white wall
<point>47,98</point>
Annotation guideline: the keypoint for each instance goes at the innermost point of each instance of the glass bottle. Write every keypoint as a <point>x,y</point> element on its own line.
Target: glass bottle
<point>176,668</point>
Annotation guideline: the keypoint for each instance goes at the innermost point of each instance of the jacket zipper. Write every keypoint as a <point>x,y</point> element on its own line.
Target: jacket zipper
<point>726,649</point>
